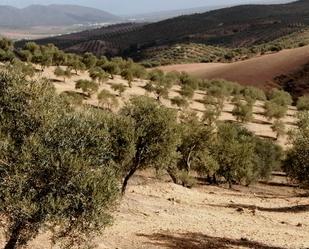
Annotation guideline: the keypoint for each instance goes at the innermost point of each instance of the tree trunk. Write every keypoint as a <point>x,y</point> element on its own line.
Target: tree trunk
<point>12,242</point>
<point>126,180</point>
<point>172,174</point>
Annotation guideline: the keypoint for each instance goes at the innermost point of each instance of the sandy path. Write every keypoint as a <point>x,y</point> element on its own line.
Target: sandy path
<point>258,71</point>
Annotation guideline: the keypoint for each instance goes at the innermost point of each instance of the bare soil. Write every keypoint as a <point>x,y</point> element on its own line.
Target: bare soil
<point>258,71</point>
<point>158,214</point>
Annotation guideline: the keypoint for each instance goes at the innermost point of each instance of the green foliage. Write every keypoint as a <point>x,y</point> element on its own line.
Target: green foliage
<point>273,110</point>
<point>72,98</point>
<point>268,157</point>
<point>155,135</point>
<point>296,164</point>
<point>194,148</point>
<point>159,84</point>
<point>180,102</point>
<point>185,179</point>
<point>303,103</point>
<point>280,97</point>
<point>243,112</point>
<point>112,68</point>
<point>107,100</point>
<point>128,75</point>
<point>120,88</point>
<point>253,93</point>
<point>88,87</point>
<point>89,60</point>
<point>98,74</point>
<point>60,72</point>
<point>187,91</point>
<point>55,166</point>
<point>278,127</point>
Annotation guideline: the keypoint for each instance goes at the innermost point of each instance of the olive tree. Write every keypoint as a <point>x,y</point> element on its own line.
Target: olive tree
<point>55,166</point>
<point>87,86</point>
<point>243,112</point>
<point>107,100</point>
<point>120,88</point>
<point>180,102</point>
<point>279,128</point>
<point>194,148</point>
<point>296,164</point>
<point>303,103</point>
<point>65,73</point>
<point>234,152</point>
<point>155,135</point>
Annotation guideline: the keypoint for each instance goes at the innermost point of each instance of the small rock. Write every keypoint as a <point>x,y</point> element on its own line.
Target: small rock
<point>299,225</point>
<point>244,239</point>
<point>240,210</point>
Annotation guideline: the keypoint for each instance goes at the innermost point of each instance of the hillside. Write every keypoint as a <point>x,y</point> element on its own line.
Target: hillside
<point>52,15</point>
<point>244,26</point>
<point>295,82</point>
<point>264,216</point>
<point>259,71</point>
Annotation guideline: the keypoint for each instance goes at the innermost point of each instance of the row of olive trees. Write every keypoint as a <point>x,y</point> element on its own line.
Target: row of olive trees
<point>62,168</point>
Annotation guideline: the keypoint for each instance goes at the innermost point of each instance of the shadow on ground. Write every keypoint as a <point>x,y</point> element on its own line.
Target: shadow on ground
<point>290,209</point>
<point>200,241</point>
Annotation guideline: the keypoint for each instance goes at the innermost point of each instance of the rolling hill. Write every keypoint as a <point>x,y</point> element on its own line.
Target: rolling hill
<point>262,71</point>
<point>240,26</point>
<point>52,15</point>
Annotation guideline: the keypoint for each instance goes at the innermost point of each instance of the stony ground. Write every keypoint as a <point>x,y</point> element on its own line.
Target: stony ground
<point>158,214</point>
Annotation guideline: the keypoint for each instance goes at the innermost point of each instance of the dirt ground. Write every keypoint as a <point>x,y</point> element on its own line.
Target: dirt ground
<point>257,71</point>
<point>259,125</point>
<point>158,214</point>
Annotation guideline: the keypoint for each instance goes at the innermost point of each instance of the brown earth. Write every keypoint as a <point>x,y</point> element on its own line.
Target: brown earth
<point>158,214</point>
<point>259,71</point>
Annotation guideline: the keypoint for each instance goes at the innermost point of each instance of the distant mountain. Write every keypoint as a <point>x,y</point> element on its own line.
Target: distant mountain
<point>52,15</point>
<point>162,15</point>
<point>239,26</point>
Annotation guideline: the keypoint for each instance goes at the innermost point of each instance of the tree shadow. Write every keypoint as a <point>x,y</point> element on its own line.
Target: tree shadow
<point>290,209</point>
<point>57,81</point>
<point>200,241</point>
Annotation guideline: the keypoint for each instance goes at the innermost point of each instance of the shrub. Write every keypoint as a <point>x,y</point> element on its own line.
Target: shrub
<point>243,112</point>
<point>303,103</point>
<point>88,87</point>
<point>187,91</point>
<point>280,97</point>
<point>273,110</point>
<point>180,102</point>
<point>279,128</point>
<point>120,88</point>
<point>107,100</point>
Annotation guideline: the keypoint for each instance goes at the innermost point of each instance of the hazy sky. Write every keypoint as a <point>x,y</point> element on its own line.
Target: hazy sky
<point>132,6</point>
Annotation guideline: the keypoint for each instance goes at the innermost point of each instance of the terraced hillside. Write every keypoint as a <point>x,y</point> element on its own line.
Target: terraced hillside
<point>243,26</point>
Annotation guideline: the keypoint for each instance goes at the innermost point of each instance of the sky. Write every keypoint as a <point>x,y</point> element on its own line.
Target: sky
<point>126,7</point>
